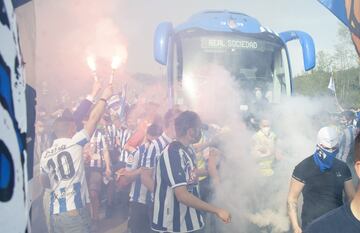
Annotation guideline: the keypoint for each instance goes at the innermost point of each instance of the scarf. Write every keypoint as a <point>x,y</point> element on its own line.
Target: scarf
<point>324,159</point>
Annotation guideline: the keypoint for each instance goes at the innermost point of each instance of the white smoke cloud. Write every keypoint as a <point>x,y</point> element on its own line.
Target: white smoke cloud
<point>270,218</point>
<point>251,198</point>
<point>66,33</point>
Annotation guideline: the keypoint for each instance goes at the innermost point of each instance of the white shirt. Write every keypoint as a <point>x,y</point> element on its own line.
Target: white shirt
<point>63,163</point>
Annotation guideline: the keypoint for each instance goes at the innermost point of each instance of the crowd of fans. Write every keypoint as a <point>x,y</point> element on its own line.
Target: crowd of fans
<point>100,158</point>
<point>107,156</point>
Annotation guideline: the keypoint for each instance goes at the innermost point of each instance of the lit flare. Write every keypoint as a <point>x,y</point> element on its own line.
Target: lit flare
<point>92,65</point>
<point>116,62</point>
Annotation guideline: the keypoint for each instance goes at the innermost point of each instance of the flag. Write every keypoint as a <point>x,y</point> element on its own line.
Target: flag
<point>123,103</point>
<point>331,85</point>
<point>117,104</point>
<point>337,7</point>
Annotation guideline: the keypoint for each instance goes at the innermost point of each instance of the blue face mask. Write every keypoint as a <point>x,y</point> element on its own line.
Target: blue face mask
<point>324,159</point>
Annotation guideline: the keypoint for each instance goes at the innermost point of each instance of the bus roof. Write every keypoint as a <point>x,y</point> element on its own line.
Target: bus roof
<point>224,21</point>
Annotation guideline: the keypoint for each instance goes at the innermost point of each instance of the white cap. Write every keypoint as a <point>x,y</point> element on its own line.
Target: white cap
<point>328,137</point>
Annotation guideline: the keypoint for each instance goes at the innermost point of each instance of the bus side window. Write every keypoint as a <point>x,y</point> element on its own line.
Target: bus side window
<point>287,77</point>
<point>281,79</point>
<point>177,73</point>
<point>277,77</point>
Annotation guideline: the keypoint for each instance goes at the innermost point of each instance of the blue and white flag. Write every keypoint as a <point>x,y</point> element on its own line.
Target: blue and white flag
<point>331,85</point>
<point>117,103</point>
<point>337,7</point>
<point>123,102</point>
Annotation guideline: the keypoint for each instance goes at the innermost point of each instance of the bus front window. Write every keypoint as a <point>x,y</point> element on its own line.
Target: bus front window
<point>255,64</point>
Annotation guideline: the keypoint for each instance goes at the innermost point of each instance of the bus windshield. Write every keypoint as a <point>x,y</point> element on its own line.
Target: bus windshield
<point>255,63</point>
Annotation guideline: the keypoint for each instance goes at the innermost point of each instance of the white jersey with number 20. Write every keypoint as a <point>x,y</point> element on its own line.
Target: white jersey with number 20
<point>64,164</point>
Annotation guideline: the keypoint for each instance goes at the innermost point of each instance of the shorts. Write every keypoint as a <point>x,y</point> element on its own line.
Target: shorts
<point>95,180</point>
<point>74,221</point>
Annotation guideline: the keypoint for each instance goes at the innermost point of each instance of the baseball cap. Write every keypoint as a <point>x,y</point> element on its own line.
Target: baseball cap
<point>328,137</point>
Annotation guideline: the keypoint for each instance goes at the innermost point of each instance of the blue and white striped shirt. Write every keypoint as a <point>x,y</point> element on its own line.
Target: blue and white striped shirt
<point>98,144</point>
<point>347,145</point>
<point>111,133</point>
<point>175,167</point>
<point>122,136</point>
<point>155,149</point>
<point>64,164</point>
<point>138,193</point>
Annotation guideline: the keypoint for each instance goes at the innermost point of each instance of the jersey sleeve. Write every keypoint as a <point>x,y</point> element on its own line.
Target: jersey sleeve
<point>299,173</point>
<point>172,164</point>
<point>81,138</point>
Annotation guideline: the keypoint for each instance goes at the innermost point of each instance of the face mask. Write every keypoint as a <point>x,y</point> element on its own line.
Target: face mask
<point>258,94</point>
<point>324,158</point>
<point>324,154</point>
<point>40,129</point>
<point>197,136</point>
<point>266,130</point>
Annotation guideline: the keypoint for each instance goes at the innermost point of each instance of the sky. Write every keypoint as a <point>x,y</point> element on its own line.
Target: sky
<point>279,15</point>
<point>67,31</point>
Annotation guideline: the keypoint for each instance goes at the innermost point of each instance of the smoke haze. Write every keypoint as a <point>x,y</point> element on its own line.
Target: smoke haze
<point>249,196</point>
<point>68,31</point>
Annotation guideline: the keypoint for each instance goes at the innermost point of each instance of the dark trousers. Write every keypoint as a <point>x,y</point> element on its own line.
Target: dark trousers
<point>74,221</point>
<point>199,231</point>
<point>139,221</point>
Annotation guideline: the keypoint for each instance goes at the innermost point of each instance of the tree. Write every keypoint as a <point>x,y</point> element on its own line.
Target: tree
<point>347,85</point>
<point>345,56</point>
<point>324,61</point>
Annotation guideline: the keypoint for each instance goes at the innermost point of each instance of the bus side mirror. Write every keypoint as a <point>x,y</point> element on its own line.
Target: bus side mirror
<point>307,45</point>
<point>161,42</point>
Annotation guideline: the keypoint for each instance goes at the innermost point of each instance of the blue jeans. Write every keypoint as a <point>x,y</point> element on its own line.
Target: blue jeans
<point>74,221</point>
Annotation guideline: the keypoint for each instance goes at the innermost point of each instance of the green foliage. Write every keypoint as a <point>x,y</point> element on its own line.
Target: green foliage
<point>347,84</point>
<point>344,62</point>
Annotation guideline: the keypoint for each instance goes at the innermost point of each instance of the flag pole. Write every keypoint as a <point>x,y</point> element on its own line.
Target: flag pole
<point>332,87</point>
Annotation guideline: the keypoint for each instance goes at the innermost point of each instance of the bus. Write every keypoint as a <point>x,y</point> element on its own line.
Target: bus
<point>255,56</point>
